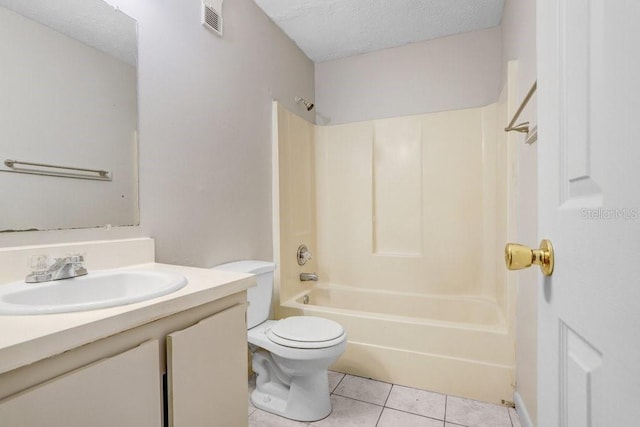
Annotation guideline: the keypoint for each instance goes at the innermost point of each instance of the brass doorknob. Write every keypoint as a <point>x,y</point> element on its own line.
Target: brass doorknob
<point>518,257</point>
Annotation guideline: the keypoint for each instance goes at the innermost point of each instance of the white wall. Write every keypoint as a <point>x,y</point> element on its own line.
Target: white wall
<point>205,131</point>
<point>519,42</point>
<point>451,73</point>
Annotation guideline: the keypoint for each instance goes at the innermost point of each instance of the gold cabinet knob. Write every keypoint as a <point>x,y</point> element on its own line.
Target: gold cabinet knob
<point>518,257</point>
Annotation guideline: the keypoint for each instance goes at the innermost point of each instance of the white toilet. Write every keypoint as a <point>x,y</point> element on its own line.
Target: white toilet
<point>290,356</point>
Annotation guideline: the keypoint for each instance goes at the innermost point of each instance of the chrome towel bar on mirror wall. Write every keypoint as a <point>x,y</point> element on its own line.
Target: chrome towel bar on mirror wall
<point>100,174</point>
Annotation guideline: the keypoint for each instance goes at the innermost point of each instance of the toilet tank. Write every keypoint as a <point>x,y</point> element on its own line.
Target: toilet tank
<point>258,297</point>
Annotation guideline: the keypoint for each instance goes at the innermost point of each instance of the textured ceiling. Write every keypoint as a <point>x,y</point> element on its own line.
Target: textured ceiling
<point>92,22</point>
<point>330,29</point>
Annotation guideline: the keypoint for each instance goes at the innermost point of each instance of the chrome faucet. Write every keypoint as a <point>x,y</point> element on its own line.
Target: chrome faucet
<point>308,277</point>
<point>62,268</point>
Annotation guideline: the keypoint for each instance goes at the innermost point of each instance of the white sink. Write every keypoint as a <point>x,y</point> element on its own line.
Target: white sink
<point>95,290</point>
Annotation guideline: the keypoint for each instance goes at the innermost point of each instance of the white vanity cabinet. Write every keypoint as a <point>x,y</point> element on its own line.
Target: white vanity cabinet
<point>200,360</point>
<point>117,381</point>
<point>123,390</point>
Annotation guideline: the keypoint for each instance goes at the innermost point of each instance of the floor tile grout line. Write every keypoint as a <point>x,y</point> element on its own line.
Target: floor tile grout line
<point>406,412</point>
<point>339,382</point>
<point>379,416</point>
<point>446,399</point>
<point>413,413</point>
<point>358,400</point>
<point>384,405</point>
<point>388,395</point>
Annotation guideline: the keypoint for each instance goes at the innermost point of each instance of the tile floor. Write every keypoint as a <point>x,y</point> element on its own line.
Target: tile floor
<point>364,402</point>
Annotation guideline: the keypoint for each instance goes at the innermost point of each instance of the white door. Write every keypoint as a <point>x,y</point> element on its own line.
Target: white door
<point>589,201</point>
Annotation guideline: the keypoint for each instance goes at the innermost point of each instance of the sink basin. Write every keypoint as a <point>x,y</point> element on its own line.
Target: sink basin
<point>98,289</point>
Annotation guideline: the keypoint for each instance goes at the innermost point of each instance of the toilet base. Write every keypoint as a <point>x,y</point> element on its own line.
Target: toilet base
<point>300,398</point>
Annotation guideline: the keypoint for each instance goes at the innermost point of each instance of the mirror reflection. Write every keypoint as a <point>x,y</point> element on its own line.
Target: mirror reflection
<point>68,115</point>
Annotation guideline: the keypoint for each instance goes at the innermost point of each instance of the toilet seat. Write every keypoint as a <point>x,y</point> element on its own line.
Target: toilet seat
<point>306,332</point>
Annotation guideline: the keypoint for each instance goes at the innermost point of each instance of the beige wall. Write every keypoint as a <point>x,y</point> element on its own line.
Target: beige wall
<point>205,131</point>
<point>519,42</point>
<point>450,73</point>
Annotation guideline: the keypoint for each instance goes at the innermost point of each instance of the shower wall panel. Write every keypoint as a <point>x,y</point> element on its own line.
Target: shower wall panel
<point>400,203</point>
<point>295,214</point>
<point>397,188</point>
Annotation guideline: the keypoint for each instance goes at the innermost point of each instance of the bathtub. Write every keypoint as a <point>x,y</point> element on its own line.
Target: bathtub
<point>457,345</point>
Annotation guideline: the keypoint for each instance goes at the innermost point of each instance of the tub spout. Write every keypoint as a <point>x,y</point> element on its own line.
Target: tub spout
<point>308,277</point>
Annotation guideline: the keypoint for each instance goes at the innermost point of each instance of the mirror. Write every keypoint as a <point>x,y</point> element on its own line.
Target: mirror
<point>68,115</point>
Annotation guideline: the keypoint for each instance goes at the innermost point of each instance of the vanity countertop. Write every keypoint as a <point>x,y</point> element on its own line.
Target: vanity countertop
<point>27,339</point>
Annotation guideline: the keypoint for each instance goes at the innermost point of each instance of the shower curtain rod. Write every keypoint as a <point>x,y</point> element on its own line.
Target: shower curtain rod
<point>524,126</point>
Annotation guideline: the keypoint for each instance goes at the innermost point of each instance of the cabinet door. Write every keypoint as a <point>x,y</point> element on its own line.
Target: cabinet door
<point>122,391</point>
<point>207,372</point>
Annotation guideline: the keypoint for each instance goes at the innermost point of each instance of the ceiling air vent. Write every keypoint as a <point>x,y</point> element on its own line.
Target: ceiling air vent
<point>212,15</point>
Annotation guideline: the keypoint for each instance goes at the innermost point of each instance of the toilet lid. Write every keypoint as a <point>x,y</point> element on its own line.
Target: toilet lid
<point>306,332</point>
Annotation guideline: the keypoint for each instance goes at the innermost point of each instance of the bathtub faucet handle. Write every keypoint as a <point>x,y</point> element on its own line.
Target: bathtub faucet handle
<point>303,255</point>
<point>308,277</point>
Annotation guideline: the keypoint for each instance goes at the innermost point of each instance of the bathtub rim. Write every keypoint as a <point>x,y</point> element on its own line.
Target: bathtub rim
<point>500,327</point>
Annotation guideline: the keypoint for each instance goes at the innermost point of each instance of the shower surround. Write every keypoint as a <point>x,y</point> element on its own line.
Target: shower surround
<point>406,218</point>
